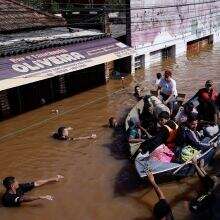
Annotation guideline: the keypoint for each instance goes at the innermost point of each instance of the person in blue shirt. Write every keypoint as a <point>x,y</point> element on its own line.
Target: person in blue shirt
<point>190,136</point>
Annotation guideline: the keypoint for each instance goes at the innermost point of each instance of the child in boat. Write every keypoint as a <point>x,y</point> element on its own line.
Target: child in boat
<point>184,112</point>
<point>166,132</point>
<point>63,134</point>
<point>162,209</point>
<point>188,135</point>
<point>134,132</point>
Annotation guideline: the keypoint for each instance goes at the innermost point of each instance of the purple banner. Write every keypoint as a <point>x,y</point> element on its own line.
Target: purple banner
<point>49,59</point>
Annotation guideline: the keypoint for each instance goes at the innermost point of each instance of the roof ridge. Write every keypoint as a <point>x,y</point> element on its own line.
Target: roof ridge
<point>35,10</point>
<point>26,17</point>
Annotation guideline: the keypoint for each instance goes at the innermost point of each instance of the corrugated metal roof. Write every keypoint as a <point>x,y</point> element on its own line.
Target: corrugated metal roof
<point>14,16</point>
<point>36,40</point>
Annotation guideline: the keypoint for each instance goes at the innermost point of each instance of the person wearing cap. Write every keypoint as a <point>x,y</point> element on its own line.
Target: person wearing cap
<point>162,209</point>
<point>184,112</point>
<point>166,90</point>
<point>208,102</point>
<point>14,195</point>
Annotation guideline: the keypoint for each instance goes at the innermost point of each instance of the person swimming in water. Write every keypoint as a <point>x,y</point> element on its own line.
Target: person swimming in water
<point>113,122</point>
<point>63,134</point>
<point>14,195</point>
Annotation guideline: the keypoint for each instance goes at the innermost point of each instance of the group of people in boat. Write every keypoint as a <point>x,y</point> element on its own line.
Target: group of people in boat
<point>158,124</point>
<point>177,135</point>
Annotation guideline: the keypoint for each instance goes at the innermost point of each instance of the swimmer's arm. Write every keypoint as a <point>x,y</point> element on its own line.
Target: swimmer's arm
<point>34,198</point>
<point>43,182</point>
<point>69,128</point>
<point>157,189</point>
<point>93,136</point>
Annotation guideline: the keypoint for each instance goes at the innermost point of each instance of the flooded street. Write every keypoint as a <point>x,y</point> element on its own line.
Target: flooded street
<point>97,184</point>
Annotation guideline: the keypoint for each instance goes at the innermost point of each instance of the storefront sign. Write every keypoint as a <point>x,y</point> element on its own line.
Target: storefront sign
<point>27,68</point>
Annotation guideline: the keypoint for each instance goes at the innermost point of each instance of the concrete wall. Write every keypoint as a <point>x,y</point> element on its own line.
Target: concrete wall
<point>158,24</point>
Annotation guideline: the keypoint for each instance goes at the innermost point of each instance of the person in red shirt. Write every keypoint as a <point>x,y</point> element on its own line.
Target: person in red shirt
<point>208,98</point>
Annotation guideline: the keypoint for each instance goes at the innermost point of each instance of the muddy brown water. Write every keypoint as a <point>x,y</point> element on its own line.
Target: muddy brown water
<point>99,182</point>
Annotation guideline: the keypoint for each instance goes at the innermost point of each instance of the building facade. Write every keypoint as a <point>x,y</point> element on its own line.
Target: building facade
<point>158,28</point>
<point>42,60</point>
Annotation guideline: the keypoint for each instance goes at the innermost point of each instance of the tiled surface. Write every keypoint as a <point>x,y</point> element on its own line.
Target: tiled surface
<point>15,16</point>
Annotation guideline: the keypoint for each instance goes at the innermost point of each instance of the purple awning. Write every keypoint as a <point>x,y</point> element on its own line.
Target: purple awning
<point>47,63</point>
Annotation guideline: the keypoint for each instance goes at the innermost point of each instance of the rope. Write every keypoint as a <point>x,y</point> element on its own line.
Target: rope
<point>63,113</point>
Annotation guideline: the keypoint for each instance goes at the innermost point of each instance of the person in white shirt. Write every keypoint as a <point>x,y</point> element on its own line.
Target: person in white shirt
<point>167,91</point>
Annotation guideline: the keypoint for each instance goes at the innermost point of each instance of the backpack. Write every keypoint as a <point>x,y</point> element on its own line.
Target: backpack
<point>188,153</point>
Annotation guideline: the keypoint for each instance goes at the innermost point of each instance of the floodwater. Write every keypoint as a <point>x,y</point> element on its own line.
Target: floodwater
<point>99,183</point>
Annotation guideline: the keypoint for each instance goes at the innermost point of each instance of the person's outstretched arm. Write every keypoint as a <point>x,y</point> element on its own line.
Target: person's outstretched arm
<point>34,198</point>
<point>157,189</point>
<point>43,182</point>
<point>200,172</point>
<point>93,136</point>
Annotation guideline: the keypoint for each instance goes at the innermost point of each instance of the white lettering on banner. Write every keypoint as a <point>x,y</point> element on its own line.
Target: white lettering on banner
<point>47,62</point>
<point>20,68</point>
<point>31,67</point>
<point>66,57</point>
<point>38,64</point>
<point>56,60</point>
<point>77,56</point>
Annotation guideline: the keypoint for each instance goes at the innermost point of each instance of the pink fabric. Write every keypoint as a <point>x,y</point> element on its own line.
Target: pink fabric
<point>162,153</point>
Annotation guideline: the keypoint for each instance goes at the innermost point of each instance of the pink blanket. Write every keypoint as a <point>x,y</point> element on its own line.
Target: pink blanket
<point>162,153</point>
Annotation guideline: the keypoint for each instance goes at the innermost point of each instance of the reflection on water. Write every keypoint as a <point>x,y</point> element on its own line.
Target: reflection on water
<point>99,182</point>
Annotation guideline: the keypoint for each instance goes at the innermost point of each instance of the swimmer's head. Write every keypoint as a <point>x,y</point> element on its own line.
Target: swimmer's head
<point>10,183</point>
<point>63,132</point>
<point>112,122</point>
<point>137,89</point>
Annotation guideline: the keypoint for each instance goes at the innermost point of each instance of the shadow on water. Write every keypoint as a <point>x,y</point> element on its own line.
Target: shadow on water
<point>119,147</point>
<point>127,180</point>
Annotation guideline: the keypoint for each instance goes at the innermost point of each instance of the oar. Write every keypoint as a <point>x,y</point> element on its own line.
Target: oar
<point>195,155</point>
